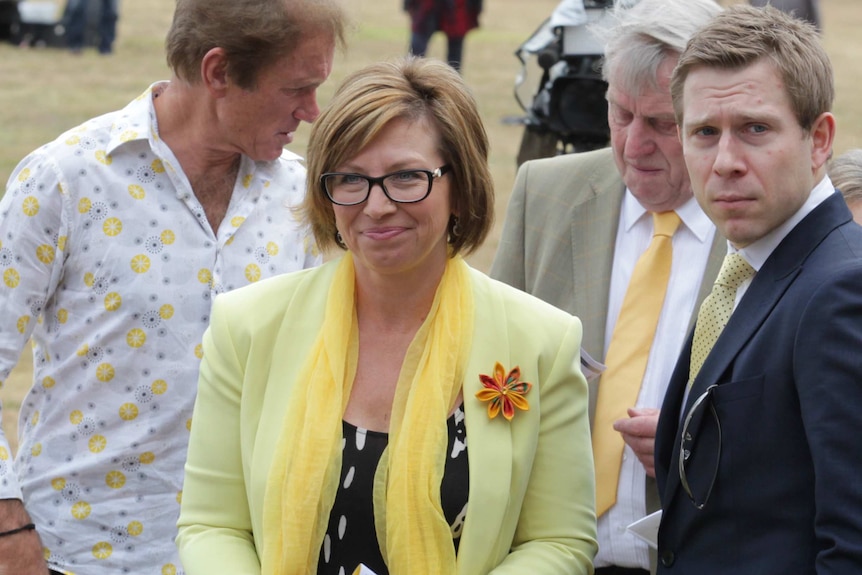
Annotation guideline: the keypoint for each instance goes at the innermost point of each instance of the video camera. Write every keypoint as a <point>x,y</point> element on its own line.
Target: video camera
<point>568,113</point>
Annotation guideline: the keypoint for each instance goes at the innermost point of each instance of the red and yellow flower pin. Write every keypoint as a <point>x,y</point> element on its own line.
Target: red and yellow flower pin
<point>504,392</point>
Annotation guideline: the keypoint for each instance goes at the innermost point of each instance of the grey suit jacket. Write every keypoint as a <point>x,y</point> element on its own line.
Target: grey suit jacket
<point>558,244</point>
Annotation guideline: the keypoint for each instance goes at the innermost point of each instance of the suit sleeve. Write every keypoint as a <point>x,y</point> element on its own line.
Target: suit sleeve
<point>215,528</point>
<point>508,265</point>
<point>557,526</point>
<point>828,366</point>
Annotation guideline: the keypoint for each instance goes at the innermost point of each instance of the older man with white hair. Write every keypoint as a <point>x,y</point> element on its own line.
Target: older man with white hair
<point>588,232</point>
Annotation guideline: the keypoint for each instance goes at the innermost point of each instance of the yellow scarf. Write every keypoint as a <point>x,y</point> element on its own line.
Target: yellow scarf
<point>413,533</point>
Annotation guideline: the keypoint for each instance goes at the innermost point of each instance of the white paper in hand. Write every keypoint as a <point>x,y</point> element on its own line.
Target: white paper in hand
<point>590,367</point>
<point>363,570</point>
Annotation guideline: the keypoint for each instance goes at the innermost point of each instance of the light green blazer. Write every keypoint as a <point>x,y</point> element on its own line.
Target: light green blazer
<point>531,498</point>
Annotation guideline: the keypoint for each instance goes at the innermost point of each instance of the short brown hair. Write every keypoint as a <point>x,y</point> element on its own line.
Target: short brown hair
<point>741,35</point>
<point>253,33</point>
<point>411,88</point>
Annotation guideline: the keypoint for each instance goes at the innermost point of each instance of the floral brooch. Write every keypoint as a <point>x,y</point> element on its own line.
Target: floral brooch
<point>504,392</point>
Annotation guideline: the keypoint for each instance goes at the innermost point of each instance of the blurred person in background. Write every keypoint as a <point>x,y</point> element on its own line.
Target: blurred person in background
<point>584,233</point>
<point>394,407</point>
<point>846,174</point>
<point>116,238</point>
<point>808,10</point>
<point>455,18</point>
<point>77,18</point>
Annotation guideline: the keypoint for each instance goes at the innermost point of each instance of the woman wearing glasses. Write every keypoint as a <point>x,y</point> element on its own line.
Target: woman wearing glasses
<point>394,407</point>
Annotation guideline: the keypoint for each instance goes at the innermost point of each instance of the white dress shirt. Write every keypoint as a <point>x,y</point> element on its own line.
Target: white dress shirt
<point>692,243</point>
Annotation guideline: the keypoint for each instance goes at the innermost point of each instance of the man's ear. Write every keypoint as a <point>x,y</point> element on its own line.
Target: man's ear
<point>214,72</point>
<point>822,138</point>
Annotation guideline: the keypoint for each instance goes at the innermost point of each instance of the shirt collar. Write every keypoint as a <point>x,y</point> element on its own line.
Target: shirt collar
<point>756,253</point>
<point>138,120</point>
<point>690,213</point>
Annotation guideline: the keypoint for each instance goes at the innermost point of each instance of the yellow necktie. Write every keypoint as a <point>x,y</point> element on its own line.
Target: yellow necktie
<point>627,355</point>
<point>716,309</point>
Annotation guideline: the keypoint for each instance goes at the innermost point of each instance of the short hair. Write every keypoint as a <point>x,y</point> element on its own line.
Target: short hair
<point>253,33</point>
<point>743,35</point>
<point>845,171</point>
<point>639,38</point>
<point>406,88</point>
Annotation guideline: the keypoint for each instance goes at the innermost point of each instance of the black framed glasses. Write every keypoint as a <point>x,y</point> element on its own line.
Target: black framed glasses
<point>403,186</point>
<point>695,437</point>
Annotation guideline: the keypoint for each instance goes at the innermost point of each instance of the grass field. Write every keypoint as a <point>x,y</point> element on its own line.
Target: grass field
<point>44,92</point>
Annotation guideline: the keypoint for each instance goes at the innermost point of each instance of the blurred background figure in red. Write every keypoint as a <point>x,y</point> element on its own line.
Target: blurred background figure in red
<point>452,17</point>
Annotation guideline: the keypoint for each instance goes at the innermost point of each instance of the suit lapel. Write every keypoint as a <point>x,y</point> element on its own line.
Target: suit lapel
<point>594,224</point>
<point>489,442</point>
<point>593,229</point>
<point>667,434</point>
<point>761,297</point>
<point>770,284</point>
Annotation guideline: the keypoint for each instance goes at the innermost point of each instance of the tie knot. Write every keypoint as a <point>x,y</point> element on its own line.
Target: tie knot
<point>734,271</point>
<point>665,223</point>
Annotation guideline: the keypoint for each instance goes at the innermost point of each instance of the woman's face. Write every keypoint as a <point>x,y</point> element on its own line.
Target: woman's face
<point>389,238</point>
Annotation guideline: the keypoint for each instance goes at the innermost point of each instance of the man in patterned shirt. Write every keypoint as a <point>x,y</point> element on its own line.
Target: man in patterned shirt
<point>114,240</point>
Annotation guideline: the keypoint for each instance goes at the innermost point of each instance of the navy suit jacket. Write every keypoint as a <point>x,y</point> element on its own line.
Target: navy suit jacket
<point>787,497</point>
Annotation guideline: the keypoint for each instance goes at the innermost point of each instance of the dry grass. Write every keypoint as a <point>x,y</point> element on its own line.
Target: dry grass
<point>44,92</point>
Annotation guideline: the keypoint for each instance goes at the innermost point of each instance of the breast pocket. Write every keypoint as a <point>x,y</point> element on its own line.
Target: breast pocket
<point>732,391</point>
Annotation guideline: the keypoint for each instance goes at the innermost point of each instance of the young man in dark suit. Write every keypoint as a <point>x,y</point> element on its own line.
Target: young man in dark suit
<point>758,457</point>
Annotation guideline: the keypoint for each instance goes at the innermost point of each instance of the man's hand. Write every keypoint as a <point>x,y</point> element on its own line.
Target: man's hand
<point>638,432</point>
<point>21,553</point>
